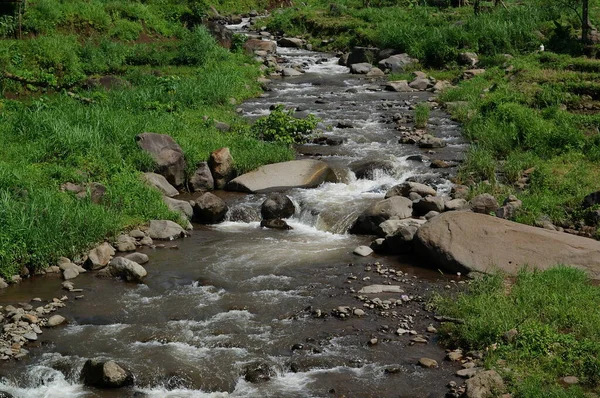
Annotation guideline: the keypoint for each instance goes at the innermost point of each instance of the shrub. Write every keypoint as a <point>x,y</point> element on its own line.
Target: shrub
<point>421,116</point>
<point>282,126</point>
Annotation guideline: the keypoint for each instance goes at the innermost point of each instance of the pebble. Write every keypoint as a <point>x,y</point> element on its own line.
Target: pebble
<point>431,329</point>
<point>454,355</point>
<point>359,312</point>
<point>32,336</point>
<point>570,380</point>
<point>419,340</point>
<point>373,341</point>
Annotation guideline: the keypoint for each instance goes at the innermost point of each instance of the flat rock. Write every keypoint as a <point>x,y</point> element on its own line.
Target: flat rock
<point>428,363</point>
<point>55,320</point>
<point>363,251</point>
<point>165,230</point>
<point>160,182</point>
<point>485,384</point>
<point>140,258</point>
<point>376,289</point>
<point>290,72</point>
<point>179,206</point>
<point>470,242</point>
<point>70,273</point>
<point>467,373</point>
<point>274,177</point>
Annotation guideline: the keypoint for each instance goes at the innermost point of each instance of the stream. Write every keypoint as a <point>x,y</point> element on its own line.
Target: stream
<point>233,294</point>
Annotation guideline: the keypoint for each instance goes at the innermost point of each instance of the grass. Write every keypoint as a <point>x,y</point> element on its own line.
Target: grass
<point>421,116</point>
<point>557,336</point>
<point>170,77</point>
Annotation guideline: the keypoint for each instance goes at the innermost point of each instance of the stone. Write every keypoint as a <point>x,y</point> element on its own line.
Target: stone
<point>459,192</point>
<point>485,384</point>
<point>164,230</point>
<point>397,63</point>
<point>401,240</point>
<point>440,86</point>
<point>345,124</point>
<point>428,141</point>
<point>391,227</point>
<point>221,34</point>
<point>252,45</point>
<point>202,179</point>
<point>277,205</point>
<point>468,242</point>
<point>430,214</point>
<point>160,182</point>
<point>368,169</point>
<point>3,284</point>
<point>137,234</point>
<point>375,72</point>
<point>140,258</point>
<point>467,372</point>
<point>290,72</point>
<point>399,86</point>
<point>420,84</point>
<point>454,356</point>
<point>209,209</point>
<point>428,363</point>
<point>378,289</point>
<point>55,320</point>
<point>363,251</point>
<point>368,222</point>
<point>469,59</point>
<point>258,372</point>
<point>31,336</point>
<point>440,164</point>
<point>179,206</point>
<point>168,155</point>
<point>427,204</point>
<point>570,380</point>
<point>146,241</point>
<point>290,42</point>
<point>360,69</point>
<point>221,167</point>
<point>127,269</point>
<point>99,256</point>
<point>275,223</point>
<point>307,173</point>
<point>509,207</point>
<point>125,243</point>
<point>455,204</point>
<point>358,312</point>
<point>406,188</point>
<point>243,213</point>
<point>471,73</point>
<point>97,192</point>
<point>484,204</point>
<point>70,273</point>
<point>105,374</point>
<point>362,55</point>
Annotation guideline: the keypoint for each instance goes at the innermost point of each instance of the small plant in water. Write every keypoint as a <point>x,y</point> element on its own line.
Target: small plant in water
<point>421,116</point>
<point>282,126</point>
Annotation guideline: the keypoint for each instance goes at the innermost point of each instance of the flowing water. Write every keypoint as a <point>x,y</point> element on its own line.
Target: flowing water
<point>234,294</point>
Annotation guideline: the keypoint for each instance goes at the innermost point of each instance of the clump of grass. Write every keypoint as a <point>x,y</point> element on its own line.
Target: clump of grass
<point>557,336</point>
<point>421,115</point>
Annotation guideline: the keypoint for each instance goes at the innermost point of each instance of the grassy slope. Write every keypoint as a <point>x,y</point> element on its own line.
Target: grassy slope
<point>173,77</point>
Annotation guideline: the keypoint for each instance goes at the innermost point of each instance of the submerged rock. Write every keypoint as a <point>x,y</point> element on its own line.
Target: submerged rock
<point>277,205</point>
<point>275,224</point>
<point>105,374</point>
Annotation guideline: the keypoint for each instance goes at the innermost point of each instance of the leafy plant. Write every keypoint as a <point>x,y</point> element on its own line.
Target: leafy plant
<point>421,116</point>
<point>282,126</point>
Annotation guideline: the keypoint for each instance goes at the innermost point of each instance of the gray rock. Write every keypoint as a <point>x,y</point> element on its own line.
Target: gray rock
<point>428,363</point>
<point>221,167</point>
<point>367,169</point>
<point>275,223</point>
<point>252,45</point>
<point>363,251</point>
<point>277,205</point>
<point>485,384</point>
<point>3,284</point>
<point>375,72</point>
<point>468,242</point>
<point>361,68</point>
<point>137,234</point>
<point>378,289</point>
<point>509,208</point>
<point>397,63</point>
<point>167,154</point>
<point>275,177</point>
<point>159,182</point>
<point>127,269</point>
<point>140,258</point>
<point>209,209</point>
<point>471,73</point>
<point>55,320</point>
<point>401,240</point>
<point>430,214</point>
<point>202,179</point>
<point>290,42</point>
<point>467,372</point>
<point>125,243</point>
<point>99,257</point>
<point>31,336</point>
<point>164,230</point>
<point>179,206</point>
<point>455,204</point>
<point>408,187</point>
<point>427,204</point>
<point>468,58</point>
<point>244,214</point>
<point>484,204</point>
<point>430,142</point>
<point>420,84</point>
<point>368,222</point>
<point>459,192</point>
<point>399,86</point>
<point>105,374</point>
<point>362,55</point>
<point>258,372</point>
<point>146,241</point>
<point>70,273</point>
<point>290,72</point>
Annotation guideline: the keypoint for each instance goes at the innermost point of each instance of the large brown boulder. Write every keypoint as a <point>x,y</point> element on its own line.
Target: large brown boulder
<point>470,242</point>
<point>209,209</point>
<point>275,177</point>
<point>221,167</point>
<point>167,154</point>
<point>202,179</point>
<point>394,208</point>
<point>277,205</point>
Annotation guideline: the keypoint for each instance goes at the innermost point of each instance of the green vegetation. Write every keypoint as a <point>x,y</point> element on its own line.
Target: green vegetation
<point>557,333</point>
<point>86,78</point>
<point>282,126</point>
<point>421,116</point>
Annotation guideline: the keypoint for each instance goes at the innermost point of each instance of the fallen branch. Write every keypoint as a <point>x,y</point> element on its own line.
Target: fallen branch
<point>10,76</point>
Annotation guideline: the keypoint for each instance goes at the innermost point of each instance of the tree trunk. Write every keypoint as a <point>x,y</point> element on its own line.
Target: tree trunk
<point>585,21</point>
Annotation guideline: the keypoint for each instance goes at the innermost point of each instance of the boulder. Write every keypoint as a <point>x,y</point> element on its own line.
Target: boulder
<point>165,230</point>
<point>420,84</point>
<point>360,69</point>
<point>55,320</point>
<point>455,204</point>
<point>390,227</point>
<point>179,206</point>
<point>459,192</point>
<point>258,372</point>
<point>221,34</point>
<point>396,207</point>
<point>397,63</point>
<point>221,167</point>
<point>509,207</point>
<point>290,72</point>
<point>399,86</point>
<point>277,205</point>
<point>127,269</point>
<point>363,251</point>
<point>137,257</point>
<point>105,374</point>
<point>70,273</point>
<point>484,204</point>
<point>244,214</point>
<point>290,42</point>
<point>167,154</point>
<point>362,55</point>
<point>202,179</point>
<point>209,209</point>
<point>99,257</point>
<point>428,141</point>
<point>366,169</point>
<point>274,177</point>
<point>485,384</point>
<point>469,59</point>
<point>471,242</point>
<point>375,72</point>
<point>252,45</point>
<point>159,182</point>
<point>427,204</point>
<point>125,243</point>
<point>401,240</point>
<point>275,223</point>
<point>406,188</point>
